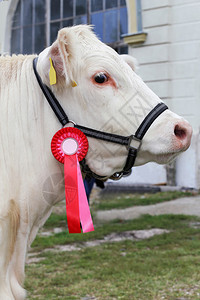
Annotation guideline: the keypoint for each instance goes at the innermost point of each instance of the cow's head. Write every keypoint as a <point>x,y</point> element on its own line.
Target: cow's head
<point>111,97</point>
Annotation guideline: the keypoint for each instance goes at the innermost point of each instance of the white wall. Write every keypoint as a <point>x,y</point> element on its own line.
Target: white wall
<point>170,65</point>
<point>185,73</point>
<point>150,173</point>
<point>185,58</point>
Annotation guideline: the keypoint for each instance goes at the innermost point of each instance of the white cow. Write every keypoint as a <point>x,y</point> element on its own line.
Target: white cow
<point>117,103</point>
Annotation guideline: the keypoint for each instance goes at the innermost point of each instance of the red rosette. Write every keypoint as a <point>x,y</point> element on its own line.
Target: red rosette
<point>69,134</point>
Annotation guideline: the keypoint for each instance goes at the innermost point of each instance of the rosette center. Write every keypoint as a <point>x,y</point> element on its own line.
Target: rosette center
<point>70,146</point>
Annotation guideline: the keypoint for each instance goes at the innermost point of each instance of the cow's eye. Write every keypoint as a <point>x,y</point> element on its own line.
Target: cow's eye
<point>101,78</point>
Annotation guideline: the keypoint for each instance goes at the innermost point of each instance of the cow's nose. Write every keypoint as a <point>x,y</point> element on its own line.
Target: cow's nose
<point>183,133</point>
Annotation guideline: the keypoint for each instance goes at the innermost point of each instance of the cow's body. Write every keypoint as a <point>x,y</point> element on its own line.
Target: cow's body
<point>24,162</point>
<point>27,125</point>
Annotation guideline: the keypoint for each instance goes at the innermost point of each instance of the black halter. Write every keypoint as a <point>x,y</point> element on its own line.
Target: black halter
<point>132,142</point>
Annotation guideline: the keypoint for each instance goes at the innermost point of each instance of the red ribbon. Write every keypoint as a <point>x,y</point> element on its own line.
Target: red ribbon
<point>71,193</point>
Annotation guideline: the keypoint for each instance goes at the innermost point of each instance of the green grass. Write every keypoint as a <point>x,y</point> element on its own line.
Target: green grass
<point>170,222</point>
<point>162,267</point>
<point>127,200</point>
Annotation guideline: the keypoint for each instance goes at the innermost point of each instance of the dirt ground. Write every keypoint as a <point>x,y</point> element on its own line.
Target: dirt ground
<point>182,206</point>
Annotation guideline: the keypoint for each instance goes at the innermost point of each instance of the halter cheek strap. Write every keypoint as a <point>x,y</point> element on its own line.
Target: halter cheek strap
<point>132,142</point>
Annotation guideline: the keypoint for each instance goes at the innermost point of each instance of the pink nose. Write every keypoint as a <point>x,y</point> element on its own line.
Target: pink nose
<point>183,133</point>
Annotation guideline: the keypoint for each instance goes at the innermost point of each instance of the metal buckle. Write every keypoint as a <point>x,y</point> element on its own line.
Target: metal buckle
<point>134,143</point>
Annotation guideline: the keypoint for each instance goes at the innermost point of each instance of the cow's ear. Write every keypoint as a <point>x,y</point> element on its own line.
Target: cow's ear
<point>62,53</point>
<point>131,61</point>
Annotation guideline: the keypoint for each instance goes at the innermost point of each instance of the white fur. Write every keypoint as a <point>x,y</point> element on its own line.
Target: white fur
<point>28,124</point>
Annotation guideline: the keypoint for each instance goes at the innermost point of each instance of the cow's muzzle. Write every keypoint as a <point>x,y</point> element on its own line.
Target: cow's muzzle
<point>182,135</point>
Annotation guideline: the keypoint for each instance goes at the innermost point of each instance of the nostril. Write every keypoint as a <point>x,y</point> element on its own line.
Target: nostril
<point>180,132</point>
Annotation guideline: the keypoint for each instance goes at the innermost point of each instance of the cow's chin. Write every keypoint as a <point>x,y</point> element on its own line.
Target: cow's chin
<point>165,158</point>
<point>160,158</point>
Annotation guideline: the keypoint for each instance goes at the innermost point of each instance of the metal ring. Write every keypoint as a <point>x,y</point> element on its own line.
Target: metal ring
<point>70,121</point>
<point>117,176</point>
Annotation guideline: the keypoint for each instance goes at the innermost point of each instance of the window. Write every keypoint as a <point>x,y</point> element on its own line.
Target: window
<point>28,27</point>
<point>110,20</point>
<point>36,22</point>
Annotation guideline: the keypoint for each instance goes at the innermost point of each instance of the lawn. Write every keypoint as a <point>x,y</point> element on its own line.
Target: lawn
<point>162,267</point>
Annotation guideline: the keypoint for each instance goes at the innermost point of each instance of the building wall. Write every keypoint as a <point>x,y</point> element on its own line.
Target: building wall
<point>170,65</point>
<point>184,56</point>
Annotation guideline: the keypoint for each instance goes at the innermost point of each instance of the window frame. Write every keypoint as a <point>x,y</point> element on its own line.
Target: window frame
<point>135,35</point>
<point>12,9</point>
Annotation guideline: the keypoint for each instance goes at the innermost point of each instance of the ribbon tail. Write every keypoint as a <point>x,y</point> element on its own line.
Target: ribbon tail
<point>71,192</point>
<point>85,216</point>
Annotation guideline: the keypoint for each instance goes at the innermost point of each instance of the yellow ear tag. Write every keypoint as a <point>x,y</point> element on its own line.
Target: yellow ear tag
<point>52,73</point>
<point>74,83</point>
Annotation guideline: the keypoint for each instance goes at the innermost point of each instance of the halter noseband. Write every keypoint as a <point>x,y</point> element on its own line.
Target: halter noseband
<point>132,142</point>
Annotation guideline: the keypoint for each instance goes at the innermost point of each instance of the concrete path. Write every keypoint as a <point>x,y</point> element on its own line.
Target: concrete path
<point>183,206</point>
